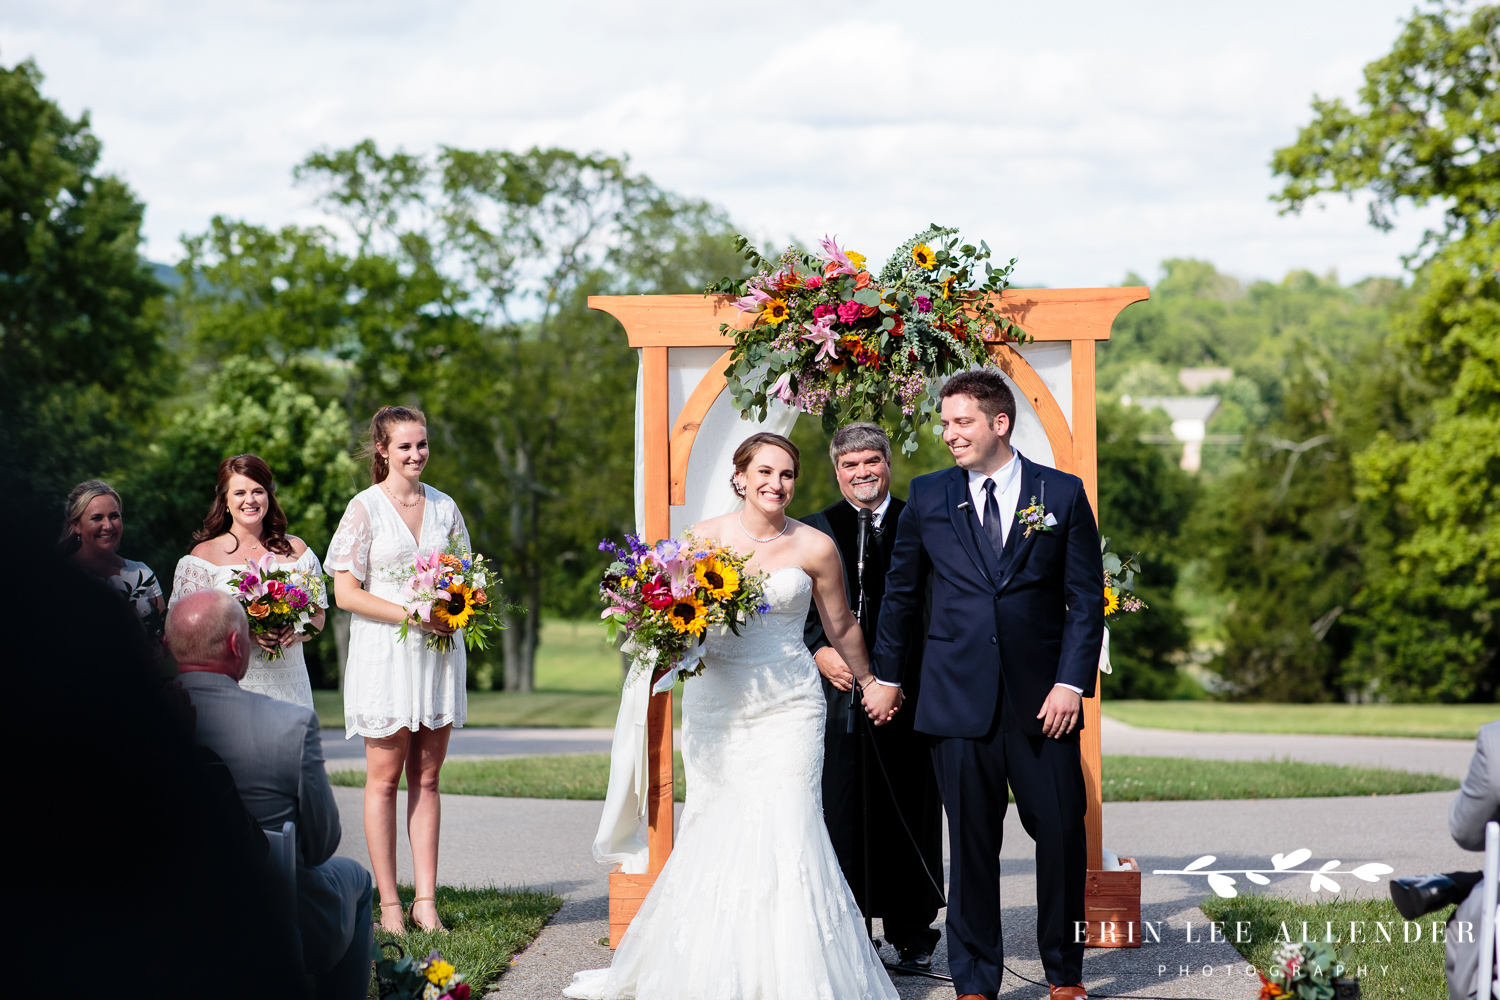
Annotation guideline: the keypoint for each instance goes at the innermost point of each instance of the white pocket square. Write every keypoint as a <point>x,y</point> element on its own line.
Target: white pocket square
<point>1050,521</point>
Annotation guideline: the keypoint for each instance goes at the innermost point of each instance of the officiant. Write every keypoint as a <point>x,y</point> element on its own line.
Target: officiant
<point>901,892</point>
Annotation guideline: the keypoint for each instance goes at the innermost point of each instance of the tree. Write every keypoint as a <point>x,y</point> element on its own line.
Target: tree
<point>532,407</point>
<point>1144,503</point>
<point>81,324</point>
<point>1428,129</point>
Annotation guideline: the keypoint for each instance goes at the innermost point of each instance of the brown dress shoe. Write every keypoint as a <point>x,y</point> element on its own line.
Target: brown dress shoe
<point>1069,993</point>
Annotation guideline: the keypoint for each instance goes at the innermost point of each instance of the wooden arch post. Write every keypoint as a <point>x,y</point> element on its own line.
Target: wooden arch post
<point>657,323</point>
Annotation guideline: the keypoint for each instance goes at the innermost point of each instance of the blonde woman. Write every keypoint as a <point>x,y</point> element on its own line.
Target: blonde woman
<point>402,697</point>
<point>93,525</point>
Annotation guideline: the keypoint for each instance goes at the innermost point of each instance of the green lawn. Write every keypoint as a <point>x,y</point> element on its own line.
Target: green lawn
<point>1126,779</point>
<point>560,776</point>
<point>1394,970</point>
<point>485,928</point>
<point>1458,722</point>
<point>577,678</point>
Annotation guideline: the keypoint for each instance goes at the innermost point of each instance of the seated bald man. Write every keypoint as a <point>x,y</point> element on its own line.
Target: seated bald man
<point>275,752</point>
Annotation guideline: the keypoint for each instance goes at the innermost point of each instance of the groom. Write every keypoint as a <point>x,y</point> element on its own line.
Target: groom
<point>1012,647</point>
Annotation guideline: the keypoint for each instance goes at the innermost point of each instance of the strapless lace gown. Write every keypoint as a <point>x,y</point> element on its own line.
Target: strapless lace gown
<point>751,905</point>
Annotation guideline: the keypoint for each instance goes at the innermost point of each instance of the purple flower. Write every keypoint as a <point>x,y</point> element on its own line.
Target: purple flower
<point>924,304</point>
<point>850,311</point>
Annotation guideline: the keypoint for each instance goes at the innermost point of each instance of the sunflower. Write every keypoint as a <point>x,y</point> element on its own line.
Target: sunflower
<point>857,259</point>
<point>720,579</point>
<point>775,311</point>
<point>1111,600</point>
<point>688,614</point>
<point>923,255</point>
<point>948,285</point>
<point>456,611</point>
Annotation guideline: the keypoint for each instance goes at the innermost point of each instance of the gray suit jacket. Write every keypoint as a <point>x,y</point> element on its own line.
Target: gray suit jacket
<point>1477,804</point>
<point>275,751</point>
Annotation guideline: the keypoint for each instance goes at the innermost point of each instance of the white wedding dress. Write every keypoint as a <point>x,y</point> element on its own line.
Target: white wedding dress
<point>284,678</point>
<point>751,905</point>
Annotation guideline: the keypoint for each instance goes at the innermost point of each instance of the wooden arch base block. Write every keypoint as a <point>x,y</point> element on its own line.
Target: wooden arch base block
<point>1112,907</point>
<point>626,894</point>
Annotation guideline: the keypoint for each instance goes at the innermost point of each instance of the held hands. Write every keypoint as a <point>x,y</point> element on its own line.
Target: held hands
<point>277,638</point>
<point>832,666</point>
<point>1060,711</point>
<point>882,702</point>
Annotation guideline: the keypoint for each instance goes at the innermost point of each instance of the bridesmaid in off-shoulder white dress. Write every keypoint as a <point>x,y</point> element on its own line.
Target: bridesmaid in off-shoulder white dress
<point>245,522</point>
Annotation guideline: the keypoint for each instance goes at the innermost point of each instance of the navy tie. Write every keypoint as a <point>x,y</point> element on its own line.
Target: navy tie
<point>992,529</point>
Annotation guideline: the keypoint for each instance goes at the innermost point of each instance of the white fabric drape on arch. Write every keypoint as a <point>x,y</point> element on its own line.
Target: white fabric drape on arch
<point>621,838</point>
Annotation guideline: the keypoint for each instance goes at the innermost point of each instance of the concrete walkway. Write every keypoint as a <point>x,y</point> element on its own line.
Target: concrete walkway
<point>545,843</point>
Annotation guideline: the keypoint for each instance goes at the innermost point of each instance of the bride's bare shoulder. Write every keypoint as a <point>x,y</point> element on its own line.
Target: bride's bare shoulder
<point>810,539</point>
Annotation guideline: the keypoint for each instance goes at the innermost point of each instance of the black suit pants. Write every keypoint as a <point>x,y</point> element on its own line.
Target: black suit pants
<point>1046,776</point>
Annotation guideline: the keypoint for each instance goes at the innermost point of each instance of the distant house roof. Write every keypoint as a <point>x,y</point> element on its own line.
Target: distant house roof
<point>1181,407</point>
<point>1197,379</point>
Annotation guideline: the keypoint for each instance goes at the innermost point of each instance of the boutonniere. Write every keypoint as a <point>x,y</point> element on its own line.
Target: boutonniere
<point>1035,518</point>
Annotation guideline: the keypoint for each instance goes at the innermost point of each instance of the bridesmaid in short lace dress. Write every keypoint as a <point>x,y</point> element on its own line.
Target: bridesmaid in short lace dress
<point>245,522</point>
<point>402,697</point>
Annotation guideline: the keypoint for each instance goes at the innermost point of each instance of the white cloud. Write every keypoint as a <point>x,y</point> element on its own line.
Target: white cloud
<point>1087,140</point>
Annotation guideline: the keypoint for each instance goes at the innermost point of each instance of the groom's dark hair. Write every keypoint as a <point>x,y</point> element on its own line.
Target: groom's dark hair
<point>988,388</point>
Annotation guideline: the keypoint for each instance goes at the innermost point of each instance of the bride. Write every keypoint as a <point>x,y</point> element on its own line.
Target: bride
<point>751,903</point>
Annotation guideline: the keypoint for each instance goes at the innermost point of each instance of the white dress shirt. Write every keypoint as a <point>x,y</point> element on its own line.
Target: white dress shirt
<point>1007,492</point>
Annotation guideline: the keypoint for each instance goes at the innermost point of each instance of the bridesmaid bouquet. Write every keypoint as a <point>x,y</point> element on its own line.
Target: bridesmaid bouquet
<point>665,596</point>
<point>455,586</point>
<point>275,598</point>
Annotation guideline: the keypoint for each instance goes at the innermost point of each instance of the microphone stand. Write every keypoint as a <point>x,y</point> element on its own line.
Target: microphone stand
<point>866,518</point>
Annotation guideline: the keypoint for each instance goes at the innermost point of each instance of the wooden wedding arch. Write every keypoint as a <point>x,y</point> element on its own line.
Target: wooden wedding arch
<point>657,323</point>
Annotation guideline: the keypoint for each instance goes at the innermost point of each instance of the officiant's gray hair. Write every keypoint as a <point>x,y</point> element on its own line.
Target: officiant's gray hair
<point>859,437</point>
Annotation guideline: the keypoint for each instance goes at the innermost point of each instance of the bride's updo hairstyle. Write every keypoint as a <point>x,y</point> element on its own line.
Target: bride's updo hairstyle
<point>78,501</point>
<point>386,418</point>
<point>746,452</point>
<point>219,520</point>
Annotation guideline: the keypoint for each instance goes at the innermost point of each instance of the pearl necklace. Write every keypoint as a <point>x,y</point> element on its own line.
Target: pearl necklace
<point>421,495</point>
<point>773,538</point>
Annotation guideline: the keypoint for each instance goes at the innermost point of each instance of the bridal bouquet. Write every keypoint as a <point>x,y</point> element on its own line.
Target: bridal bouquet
<point>665,596</point>
<point>455,586</point>
<point>407,977</point>
<point>831,338</point>
<point>274,598</point>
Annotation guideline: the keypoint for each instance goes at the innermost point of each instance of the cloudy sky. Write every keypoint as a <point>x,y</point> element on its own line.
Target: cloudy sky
<point>1088,139</point>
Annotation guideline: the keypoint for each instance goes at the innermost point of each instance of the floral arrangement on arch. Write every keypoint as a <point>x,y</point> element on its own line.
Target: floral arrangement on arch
<point>665,596</point>
<point>831,338</point>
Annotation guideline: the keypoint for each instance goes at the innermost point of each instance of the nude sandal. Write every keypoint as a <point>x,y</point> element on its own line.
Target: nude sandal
<point>411,917</point>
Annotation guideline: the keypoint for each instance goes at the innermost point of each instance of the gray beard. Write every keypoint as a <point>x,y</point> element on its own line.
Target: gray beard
<point>865,492</point>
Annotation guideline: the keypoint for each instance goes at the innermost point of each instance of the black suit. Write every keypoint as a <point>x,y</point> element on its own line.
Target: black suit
<point>1005,626</point>
<point>902,894</point>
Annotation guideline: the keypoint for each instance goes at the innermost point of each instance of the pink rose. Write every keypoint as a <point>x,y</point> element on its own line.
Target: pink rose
<point>821,310</point>
<point>850,311</point>
<point>812,281</point>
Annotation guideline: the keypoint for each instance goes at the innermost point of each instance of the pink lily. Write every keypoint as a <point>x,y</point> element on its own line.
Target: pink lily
<point>833,255</point>
<point>782,388</point>
<point>820,332</point>
<point>753,301</point>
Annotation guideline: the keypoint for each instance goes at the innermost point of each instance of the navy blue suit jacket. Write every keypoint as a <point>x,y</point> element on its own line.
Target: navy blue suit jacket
<point>1034,617</point>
